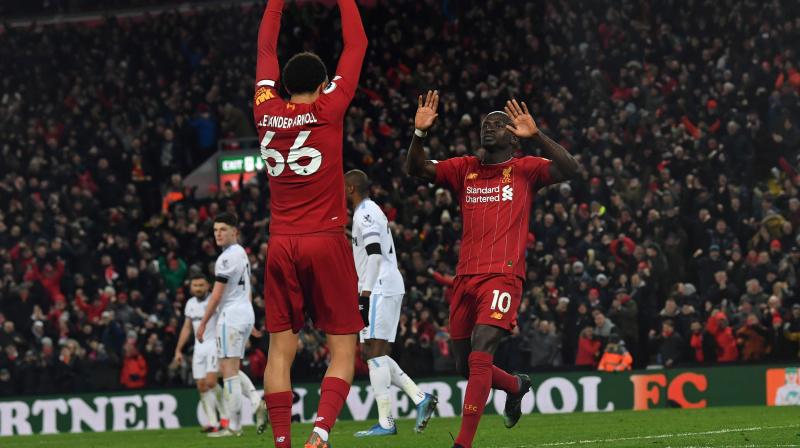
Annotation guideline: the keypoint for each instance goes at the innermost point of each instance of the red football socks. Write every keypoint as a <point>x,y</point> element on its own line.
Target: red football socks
<point>333,393</point>
<point>504,381</point>
<point>478,387</point>
<point>279,405</point>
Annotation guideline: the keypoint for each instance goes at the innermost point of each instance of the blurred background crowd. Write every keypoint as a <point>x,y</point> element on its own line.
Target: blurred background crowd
<point>678,244</point>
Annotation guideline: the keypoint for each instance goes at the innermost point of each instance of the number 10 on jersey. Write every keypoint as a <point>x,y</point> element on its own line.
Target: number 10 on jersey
<point>276,163</point>
<point>501,301</point>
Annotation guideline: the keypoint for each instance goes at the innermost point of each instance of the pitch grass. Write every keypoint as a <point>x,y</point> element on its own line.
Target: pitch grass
<point>717,427</point>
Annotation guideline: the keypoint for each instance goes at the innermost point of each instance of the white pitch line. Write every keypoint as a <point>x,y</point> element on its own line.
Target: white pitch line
<point>734,446</point>
<point>667,436</point>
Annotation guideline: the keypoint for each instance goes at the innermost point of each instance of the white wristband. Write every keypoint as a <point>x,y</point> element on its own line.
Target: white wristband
<point>420,134</point>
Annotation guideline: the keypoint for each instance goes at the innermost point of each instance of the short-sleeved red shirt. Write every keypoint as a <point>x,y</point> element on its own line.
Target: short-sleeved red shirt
<point>495,206</point>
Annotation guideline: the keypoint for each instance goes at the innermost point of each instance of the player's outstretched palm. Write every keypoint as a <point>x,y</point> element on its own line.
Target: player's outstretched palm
<point>426,112</point>
<point>524,126</point>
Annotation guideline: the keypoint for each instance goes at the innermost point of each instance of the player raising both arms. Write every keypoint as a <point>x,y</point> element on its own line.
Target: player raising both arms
<point>380,281</point>
<point>310,266</point>
<point>495,195</point>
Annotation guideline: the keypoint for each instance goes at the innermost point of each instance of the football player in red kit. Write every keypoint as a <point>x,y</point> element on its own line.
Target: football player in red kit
<point>310,268</point>
<point>495,195</point>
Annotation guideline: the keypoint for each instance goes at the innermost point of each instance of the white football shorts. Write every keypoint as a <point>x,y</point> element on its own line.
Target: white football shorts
<point>384,315</point>
<point>204,360</point>
<point>232,339</point>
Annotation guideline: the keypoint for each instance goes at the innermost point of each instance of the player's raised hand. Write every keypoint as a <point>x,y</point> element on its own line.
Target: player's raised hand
<point>524,126</point>
<point>426,112</point>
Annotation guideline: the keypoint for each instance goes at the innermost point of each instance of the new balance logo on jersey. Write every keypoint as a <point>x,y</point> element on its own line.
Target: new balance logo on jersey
<point>508,193</point>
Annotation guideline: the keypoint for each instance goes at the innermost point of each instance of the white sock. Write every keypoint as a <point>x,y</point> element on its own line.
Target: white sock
<point>209,401</point>
<point>380,376</point>
<point>220,400</point>
<point>249,390</point>
<point>403,381</point>
<point>322,433</point>
<point>233,401</point>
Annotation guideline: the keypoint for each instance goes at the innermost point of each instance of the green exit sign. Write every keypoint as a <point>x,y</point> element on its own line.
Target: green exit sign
<point>240,164</point>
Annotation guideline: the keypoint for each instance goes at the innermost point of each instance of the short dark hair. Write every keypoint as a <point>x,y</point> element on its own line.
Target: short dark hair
<point>227,218</point>
<point>197,276</point>
<point>358,179</point>
<point>304,73</point>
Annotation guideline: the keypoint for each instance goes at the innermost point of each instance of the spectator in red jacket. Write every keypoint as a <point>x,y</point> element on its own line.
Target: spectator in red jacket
<point>717,326</point>
<point>588,348</point>
<point>134,368</point>
<point>703,345</point>
<point>95,309</point>
<point>49,276</point>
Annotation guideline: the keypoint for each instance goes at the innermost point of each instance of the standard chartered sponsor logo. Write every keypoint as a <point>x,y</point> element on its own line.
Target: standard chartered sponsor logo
<point>482,195</point>
<point>508,193</point>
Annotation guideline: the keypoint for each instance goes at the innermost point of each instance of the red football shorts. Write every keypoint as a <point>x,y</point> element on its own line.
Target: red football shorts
<point>485,299</point>
<point>314,275</point>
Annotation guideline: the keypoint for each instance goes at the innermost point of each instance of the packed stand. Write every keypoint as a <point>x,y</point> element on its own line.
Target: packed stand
<point>678,244</point>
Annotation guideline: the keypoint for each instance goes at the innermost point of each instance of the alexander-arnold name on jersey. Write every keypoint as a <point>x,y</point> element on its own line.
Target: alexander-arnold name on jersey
<point>271,121</point>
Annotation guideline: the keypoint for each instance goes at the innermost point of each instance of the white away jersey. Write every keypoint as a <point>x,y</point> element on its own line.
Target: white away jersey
<point>370,225</point>
<point>233,269</point>
<point>194,311</point>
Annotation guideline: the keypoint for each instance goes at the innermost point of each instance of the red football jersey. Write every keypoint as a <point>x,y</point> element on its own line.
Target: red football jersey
<point>495,206</point>
<point>301,144</point>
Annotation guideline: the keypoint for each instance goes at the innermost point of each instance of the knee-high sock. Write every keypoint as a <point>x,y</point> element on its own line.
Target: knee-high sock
<point>478,387</point>
<point>219,393</point>
<point>333,393</point>
<point>380,376</point>
<point>233,401</point>
<point>279,405</point>
<point>209,401</point>
<point>404,382</point>
<point>504,381</point>
<point>249,390</point>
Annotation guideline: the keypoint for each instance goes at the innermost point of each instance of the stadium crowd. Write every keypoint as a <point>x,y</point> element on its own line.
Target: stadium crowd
<point>678,245</point>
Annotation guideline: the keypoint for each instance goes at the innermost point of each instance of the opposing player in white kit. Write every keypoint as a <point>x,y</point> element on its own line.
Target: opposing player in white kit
<point>204,358</point>
<point>231,299</point>
<point>380,280</point>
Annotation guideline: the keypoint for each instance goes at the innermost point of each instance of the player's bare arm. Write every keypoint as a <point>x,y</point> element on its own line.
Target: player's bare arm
<point>416,163</point>
<point>211,308</point>
<point>564,166</point>
<point>186,331</point>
